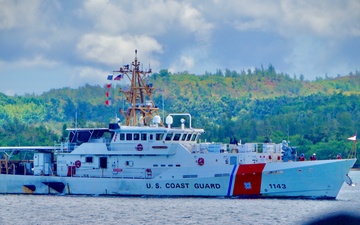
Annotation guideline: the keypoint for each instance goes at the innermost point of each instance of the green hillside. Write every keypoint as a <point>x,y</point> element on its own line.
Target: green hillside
<point>253,106</point>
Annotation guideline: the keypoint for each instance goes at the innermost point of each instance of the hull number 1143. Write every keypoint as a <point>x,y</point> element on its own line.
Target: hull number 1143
<point>277,186</point>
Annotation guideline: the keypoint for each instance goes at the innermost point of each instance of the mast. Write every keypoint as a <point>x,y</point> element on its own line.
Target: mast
<point>141,107</point>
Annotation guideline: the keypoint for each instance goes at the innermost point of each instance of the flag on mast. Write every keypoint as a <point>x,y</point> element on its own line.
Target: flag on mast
<point>119,77</point>
<point>108,102</point>
<point>353,138</point>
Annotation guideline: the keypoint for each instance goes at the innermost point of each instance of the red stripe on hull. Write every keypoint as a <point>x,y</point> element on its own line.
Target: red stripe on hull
<point>248,179</point>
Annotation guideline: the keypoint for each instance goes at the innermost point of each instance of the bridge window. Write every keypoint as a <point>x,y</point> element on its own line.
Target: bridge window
<point>188,137</point>
<point>168,136</point>
<point>136,137</point>
<point>122,136</point>
<point>183,138</point>
<point>177,137</point>
<point>143,137</point>
<point>159,136</point>
<point>129,136</point>
<point>193,138</point>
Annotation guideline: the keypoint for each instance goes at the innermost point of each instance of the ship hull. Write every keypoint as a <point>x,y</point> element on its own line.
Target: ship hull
<point>320,179</point>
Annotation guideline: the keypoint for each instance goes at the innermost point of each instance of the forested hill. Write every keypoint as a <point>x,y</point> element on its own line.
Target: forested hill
<point>259,84</point>
<point>317,116</point>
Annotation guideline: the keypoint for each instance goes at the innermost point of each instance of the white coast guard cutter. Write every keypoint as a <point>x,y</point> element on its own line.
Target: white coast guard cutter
<point>144,157</point>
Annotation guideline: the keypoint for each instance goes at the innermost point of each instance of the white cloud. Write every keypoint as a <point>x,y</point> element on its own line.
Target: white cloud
<point>111,50</point>
<point>105,15</point>
<point>193,21</point>
<point>89,75</point>
<point>16,14</point>
<point>24,63</point>
<point>193,59</point>
<point>185,62</point>
<point>137,17</point>
<point>292,18</point>
<point>151,18</point>
<point>37,61</point>
<point>323,18</point>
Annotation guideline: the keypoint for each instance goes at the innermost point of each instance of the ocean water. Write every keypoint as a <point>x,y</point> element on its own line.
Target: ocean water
<point>30,209</point>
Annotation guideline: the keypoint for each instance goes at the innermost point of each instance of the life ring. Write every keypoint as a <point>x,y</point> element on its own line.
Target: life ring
<point>77,163</point>
<point>201,161</point>
<point>139,147</point>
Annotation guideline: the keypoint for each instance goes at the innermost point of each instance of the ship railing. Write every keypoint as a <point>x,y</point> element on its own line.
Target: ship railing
<point>65,147</point>
<point>207,147</point>
<point>267,148</point>
<point>271,148</point>
<point>247,148</point>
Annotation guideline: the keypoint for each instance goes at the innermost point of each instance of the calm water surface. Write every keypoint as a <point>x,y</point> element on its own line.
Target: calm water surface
<point>29,209</point>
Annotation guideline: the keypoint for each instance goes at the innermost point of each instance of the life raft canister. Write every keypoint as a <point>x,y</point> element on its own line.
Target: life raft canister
<point>139,147</point>
<point>77,163</point>
<point>201,161</point>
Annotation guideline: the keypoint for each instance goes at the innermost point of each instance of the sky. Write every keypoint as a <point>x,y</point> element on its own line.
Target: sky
<point>50,44</point>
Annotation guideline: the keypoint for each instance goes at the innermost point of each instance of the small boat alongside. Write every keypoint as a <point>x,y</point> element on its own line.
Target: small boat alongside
<point>148,157</point>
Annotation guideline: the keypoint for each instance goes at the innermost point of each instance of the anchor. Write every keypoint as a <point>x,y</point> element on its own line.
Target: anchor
<point>349,181</point>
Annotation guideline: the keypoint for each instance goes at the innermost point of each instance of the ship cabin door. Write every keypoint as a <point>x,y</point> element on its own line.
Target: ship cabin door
<point>103,162</point>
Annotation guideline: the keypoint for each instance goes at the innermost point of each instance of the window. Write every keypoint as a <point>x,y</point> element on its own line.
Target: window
<point>83,136</point>
<point>168,136</point>
<point>136,137</point>
<point>89,159</point>
<point>151,137</point>
<point>188,137</point>
<point>193,137</point>
<point>177,137</point>
<point>159,137</point>
<point>143,137</point>
<point>122,136</point>
<point>129,163</point>
<point>183,138</point>
<point>129,137</point>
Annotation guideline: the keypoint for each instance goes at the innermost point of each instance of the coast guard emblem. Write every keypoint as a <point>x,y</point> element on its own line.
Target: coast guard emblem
<point>247,185</point>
